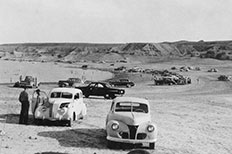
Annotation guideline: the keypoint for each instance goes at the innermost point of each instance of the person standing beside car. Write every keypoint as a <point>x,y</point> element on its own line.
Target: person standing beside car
<point>37,102</point>
<point>24,100</point>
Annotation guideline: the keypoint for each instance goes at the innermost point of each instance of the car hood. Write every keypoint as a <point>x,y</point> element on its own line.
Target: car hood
<point>131,118</point>
<point>59,100</point>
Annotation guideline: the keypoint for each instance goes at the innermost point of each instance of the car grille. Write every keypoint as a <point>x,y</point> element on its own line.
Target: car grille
<point>141,136</point>
<point>133,130</point>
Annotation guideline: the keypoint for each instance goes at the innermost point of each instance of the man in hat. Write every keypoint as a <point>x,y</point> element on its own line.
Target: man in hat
<point>24,100</point>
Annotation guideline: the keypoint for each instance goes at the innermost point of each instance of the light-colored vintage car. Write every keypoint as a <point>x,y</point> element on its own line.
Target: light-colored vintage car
<point>62,104</point>
<point>129,121</point>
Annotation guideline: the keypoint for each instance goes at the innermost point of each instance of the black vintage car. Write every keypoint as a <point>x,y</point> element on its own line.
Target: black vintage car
<point>122,82</point>
<point>101,89</point>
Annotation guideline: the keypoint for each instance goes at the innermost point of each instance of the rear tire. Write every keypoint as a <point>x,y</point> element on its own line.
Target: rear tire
<point>86,95</point>
<point>112,96</point>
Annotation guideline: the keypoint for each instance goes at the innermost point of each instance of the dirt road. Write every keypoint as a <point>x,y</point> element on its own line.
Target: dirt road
<point>191,119</point>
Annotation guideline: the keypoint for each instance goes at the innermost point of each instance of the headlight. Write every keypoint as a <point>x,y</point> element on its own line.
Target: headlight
<point>64,105</point>
<point>114,126</point>
<point>150,128</point>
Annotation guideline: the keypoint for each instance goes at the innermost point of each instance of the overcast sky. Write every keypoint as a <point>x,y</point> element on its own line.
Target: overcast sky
<point>114,20</point>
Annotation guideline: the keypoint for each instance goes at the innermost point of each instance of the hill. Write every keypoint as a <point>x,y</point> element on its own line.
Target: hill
<point>130,52</point>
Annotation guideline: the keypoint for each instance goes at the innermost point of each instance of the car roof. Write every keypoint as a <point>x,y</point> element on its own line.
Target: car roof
<point>99,82</point>
<point>71,90</point>
<point>131,99</point>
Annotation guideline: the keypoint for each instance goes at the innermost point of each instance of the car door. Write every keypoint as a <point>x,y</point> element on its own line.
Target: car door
<point>91,88</point>
<point>100,89</point>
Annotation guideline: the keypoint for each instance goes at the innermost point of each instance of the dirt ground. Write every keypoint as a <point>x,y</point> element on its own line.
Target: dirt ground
<point>191,119</point>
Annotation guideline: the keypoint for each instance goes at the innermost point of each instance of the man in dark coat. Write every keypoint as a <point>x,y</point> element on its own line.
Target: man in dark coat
<point>24,100</point>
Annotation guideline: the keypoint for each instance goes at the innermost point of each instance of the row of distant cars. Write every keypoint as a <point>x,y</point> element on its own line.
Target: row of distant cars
<point>105,89</point>
<point>128,120</point>
<point>76,81</point>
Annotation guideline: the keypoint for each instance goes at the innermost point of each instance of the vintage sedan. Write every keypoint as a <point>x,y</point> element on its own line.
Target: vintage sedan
<point>101,89</point>
<point>129,121</point>
<point>63,104</point>
<point>122,82</point>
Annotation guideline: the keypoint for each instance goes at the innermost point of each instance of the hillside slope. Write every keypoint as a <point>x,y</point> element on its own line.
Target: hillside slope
<point>78,52</point>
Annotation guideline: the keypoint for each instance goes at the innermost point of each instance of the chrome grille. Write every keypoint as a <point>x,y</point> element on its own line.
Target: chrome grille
<point>133,130</point>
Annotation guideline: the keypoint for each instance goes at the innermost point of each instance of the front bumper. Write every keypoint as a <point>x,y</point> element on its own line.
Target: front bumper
<point>48,114</point>
<point>131,141</point>
<point>53,119</point>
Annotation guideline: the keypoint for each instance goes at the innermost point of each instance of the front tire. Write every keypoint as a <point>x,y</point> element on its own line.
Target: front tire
<point>107,96</point>
<point>152,145</point>
<point>112,144</point>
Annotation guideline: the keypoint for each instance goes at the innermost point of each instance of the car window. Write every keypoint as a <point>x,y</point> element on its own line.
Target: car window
<point>108,85</point>
<point>66,95</point>
<point>61,95</point>
<point>124,80</point>
<point>92,85</point>
<point>131,107</point>
<point>100,86</point>
<point>77,96</point>
<point>55,94</point>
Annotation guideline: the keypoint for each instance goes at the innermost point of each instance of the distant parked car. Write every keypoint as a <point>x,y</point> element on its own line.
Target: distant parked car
<point>84,66</point>
<point>129,121</point>
<point>63,105</point>
<point>213,70</point>
<point>69,82</point>
<point>122,82</point>
<point>28,82</point>
<point>101,89</point>
<point>225,78</point>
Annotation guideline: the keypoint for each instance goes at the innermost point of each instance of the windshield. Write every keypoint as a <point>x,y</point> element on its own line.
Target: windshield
<point>131,107</point>
<point>61,95</point>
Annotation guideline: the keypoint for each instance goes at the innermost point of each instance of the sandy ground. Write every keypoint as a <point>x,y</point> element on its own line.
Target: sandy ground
<point>191,119</point>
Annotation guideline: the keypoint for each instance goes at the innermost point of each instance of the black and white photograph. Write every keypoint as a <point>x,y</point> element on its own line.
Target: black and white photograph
<point>115,77</point>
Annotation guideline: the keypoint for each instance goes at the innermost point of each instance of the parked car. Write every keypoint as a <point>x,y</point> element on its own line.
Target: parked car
<point>129,121</point>
<point>29,82</point>
<point>122,82</point>
<point>101,89</point>
<point>69,82</point>
<point>62,104</point>
<point>225,78</point>
<point>213,70</point>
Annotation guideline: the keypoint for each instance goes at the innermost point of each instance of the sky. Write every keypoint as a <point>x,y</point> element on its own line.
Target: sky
<point>114,21</point>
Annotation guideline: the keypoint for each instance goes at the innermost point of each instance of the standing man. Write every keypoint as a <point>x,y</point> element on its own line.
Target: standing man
<point>23,98</point>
